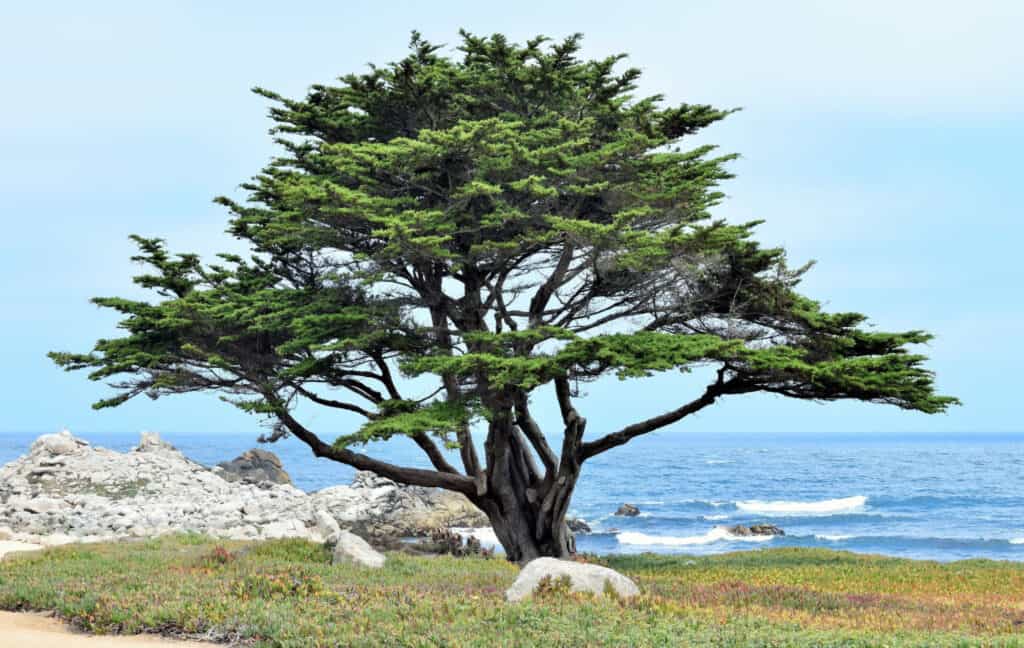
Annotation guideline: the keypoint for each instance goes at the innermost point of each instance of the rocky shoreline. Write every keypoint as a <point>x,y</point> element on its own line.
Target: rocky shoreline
<point>66,490</point>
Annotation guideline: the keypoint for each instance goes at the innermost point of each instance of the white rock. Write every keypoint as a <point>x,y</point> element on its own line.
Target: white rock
<point>582,578</point>
<point>42,505</point>
<point>151,442</point>
<point>350,548</point>
<point>286,529</point>
<point>326,525</point>
<point>61,443</point>
<point>96,492</point>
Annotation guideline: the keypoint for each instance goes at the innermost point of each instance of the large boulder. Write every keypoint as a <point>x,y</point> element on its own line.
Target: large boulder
<point>350,548</point>
<point>583,577</point>
<point>255,466</point>
<point>378,508</point>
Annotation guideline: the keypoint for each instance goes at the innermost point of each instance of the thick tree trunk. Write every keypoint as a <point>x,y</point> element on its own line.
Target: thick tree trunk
<point>524,535</point>
<point>526,508</point>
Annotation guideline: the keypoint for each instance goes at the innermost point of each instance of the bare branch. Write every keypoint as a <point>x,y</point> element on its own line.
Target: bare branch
<point>412,476</point>
<point>713,391</point>
<point>533,432</point>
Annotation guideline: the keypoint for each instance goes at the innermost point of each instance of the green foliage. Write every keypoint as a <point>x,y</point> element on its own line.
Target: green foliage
<point>286,593</point>
<point>499,219</point>
<point>442,418</point>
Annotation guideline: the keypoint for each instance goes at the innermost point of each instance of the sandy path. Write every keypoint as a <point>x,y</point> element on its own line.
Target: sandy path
<point>21,629</point>
<point>8,546</point>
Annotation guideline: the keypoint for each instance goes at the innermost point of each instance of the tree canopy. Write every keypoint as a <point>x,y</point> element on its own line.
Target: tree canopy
<point>507,221</point>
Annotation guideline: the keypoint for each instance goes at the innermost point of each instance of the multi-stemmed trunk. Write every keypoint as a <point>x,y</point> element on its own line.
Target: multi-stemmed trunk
<point>525,528</point>
<point>527,506</point>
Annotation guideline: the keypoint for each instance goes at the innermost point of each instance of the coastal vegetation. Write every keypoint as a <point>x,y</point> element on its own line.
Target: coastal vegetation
<point>502,227</point>
<point>286,593</point>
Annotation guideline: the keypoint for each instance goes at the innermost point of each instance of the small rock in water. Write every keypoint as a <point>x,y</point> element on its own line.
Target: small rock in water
<point>350,548</point>
<point>628,510</point>
<point>756,530</point>
<point>578,525</point>
<point>582,578</point>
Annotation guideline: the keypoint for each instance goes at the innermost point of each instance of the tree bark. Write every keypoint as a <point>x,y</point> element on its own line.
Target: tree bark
<point>526,508</point>
<point>517,533</point>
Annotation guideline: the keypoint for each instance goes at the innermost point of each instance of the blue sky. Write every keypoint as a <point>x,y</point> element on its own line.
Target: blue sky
<point>880,138</point>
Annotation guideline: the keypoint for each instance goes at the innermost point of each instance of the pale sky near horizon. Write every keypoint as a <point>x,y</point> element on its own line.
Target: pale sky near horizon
<point>881,139</point>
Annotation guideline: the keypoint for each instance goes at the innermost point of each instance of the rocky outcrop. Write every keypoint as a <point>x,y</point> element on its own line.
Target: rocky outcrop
<point>756,530</point>
<point>55,445</point>
<point>350,548</point>
<point>582,578</point>
<point>578,525</point>
<point>628,510</point>
<point>67,490</point>
<point>254,466</point>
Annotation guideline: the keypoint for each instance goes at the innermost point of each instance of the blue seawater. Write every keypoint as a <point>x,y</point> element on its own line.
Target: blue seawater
<point>938,497</point>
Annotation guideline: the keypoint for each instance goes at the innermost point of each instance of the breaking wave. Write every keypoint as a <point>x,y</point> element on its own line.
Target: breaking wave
<point>718,534</point>
<point>823,507</point>
<point>1017,541</point>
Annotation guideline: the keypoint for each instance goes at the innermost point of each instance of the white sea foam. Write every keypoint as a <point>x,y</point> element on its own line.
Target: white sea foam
<point>718,534</point>
<point>1017,541</point>
<point>485,535</point>
<point>715,462</point>
<point>712,518</point>
<point>833,538</point>
<point>824,507</point>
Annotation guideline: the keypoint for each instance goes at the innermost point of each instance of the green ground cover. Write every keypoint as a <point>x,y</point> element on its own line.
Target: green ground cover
<point>286,593</point>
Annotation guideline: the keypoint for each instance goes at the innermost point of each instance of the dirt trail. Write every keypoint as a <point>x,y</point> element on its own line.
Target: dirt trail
<point>20,629</point>
<point>8,546</point>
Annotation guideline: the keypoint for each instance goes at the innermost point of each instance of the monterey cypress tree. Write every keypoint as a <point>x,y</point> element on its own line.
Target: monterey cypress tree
<point>510,223</point>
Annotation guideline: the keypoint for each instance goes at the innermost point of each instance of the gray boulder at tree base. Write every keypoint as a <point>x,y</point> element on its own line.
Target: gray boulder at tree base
<point>583,577</point>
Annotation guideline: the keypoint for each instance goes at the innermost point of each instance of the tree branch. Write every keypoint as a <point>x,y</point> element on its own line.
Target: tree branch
<point>402,474</point>
<point>434,453</point>
<point>536,437</point>
<point>713,391</point>
<point>328,402</point>
<point>540,299</point>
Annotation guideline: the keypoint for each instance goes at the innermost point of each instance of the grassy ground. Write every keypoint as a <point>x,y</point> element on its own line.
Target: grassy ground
<point>286,593</point>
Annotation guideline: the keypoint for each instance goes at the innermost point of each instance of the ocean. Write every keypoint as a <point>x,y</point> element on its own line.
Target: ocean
<point>936,497</point>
